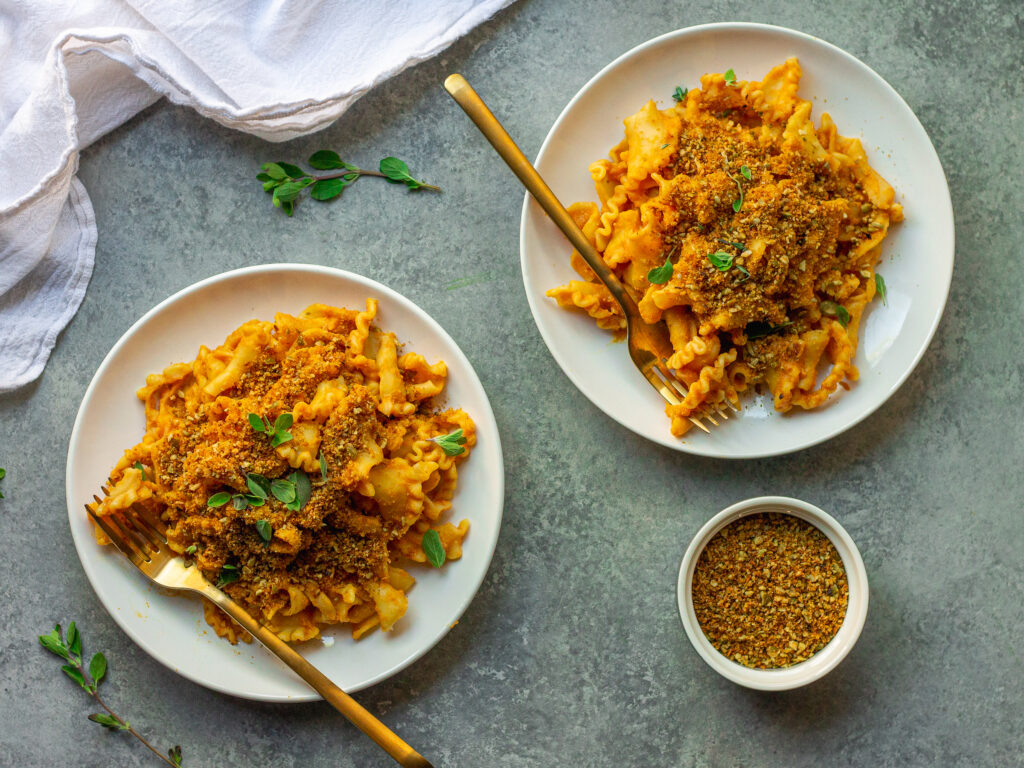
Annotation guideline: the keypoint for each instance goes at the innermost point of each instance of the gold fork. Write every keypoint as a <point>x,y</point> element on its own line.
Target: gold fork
<point>649,345</point>
<point>142,537</point>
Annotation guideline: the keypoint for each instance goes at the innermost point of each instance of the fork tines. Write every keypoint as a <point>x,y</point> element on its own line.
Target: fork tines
<point>672,390</point>
<point>137,532</point>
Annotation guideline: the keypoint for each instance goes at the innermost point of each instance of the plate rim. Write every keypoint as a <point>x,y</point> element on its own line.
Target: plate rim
<point>665,439</point>
<point>370,285</point>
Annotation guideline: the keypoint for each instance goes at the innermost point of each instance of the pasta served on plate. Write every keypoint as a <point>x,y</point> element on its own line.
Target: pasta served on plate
<point>295,464</point>
<point>750,233</point>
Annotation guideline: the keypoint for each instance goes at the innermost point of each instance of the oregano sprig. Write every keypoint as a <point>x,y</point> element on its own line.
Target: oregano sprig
<point>880,289</point>
<point>680,93</point>
<point>277,432</point>
<point>69,647</point>
<point>286,181</point>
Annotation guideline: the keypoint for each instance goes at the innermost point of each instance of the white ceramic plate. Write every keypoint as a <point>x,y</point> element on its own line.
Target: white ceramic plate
<point>917,260</point>
<point>171,627</point>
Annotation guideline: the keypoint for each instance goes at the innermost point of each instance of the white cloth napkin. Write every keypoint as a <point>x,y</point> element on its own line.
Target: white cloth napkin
<point>72,70</point>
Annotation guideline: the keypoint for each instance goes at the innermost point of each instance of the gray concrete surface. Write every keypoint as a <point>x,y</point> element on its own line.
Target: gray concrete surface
<point>572,653</point>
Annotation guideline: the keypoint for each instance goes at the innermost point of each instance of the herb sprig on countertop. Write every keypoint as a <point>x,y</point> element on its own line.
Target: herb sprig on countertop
<point>69,648</point>
<point>3,474</point>
<point>286,181</point>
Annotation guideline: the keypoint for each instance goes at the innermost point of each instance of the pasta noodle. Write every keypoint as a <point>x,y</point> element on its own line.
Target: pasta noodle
<point>352,489</point>
<point>771,228</point>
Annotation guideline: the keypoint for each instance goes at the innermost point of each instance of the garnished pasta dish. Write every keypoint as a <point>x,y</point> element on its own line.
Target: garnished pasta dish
<point>296,464</point>
<point>750,233</point>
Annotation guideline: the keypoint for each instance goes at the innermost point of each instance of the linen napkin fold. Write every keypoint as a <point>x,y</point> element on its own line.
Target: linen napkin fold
<point>72,70</point>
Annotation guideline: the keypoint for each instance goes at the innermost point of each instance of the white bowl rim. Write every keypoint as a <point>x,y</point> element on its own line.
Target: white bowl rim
<point>382,291</point>
<point>701,449</point>
<point>822,662</point>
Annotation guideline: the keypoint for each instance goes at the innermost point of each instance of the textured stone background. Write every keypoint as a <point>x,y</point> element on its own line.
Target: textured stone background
<point>572,652</point>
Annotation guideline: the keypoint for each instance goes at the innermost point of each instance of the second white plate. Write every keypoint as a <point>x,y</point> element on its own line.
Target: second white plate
<point>917,260</point>
<point>171,627</point>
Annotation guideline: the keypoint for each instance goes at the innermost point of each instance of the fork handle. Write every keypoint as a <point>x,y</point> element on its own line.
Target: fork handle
<point>388,740</point>
<point>473,105</point>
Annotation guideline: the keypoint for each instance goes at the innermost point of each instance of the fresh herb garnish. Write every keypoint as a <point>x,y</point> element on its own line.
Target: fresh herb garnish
<point>433,548</point>
<point>880,289</point>
<point>742,269</point>
<point>228,575</point>
<point>190,549</point>
<point>738,203</point>
<point>69,648</point>
<point>283,490</point>
<point>746,172</point>
<point>451,443</point>
<point>664,145</point>
<point>277,432</point>
<point>142,469</point>
<point>730,77</point>
<point>218,499</point>
<point>259,487</point>
<point>838,311</point>
<point>680,93</point>
<point>661,275</point>
<point>286,181</point>
<point>738,246</point>
<point>721,260</point>
<point>265,530</point>
<point>323,468</point>
<point>759,329</point>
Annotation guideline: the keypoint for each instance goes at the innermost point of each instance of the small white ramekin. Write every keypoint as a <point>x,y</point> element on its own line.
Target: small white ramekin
<point>824,660</point>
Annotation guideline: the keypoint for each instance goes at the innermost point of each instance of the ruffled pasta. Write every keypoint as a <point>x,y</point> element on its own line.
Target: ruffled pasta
<point>361,433</point>
<point>793,214</point>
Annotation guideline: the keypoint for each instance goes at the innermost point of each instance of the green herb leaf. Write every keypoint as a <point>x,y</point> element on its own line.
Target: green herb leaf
<point>433,548</point>
<point>838,311</point>
<point>326,160</point>
<point>738,203</point>
<point>259,486</point>
<point>323,468</point>
<point>239,502</point>
<point>284,421</point>
<point>175,754</point>
<point>264,177</point>
<point>54,643</point>
<point>98,668</point>
<point>75,674</point>
<point>661,275</point>
<point>3,473</point>
<point>280,438</point>
<point>74,640</point>
<point>142,469</point>
<point>679,93</point>
<point>303,489</point>
<point>190,549</point>
<point>253,500</point>
<point>452,443</point>
<point>283,490</point>
<point>218,499</point>
<point>257,423</point>
<point>721,260</point>
<point>730,77</point>
<point>228,575</point>
<point>397,172</point>
<point>274,171</point>
<point>292,170</point>
<point>289,191</point>
<point>265,530</point>
<point>742,269</point>
<point>328,189</point>
<point>738,246</point>
<point>746,172</point>
<point>880,289</point>
<point>108,721</point>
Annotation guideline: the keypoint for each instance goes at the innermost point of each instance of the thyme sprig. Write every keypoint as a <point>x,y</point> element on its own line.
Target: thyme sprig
<point>69,648</point>
<point>286,181</point>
